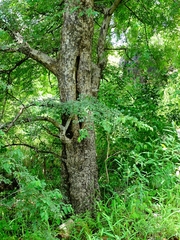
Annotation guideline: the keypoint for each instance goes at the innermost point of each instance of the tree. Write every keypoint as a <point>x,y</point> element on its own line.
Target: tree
<point>78,62</point>
<point>76,76</point>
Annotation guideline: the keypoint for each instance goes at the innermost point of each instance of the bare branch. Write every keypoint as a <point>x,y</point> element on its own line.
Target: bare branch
<point>15,119</point>
<point>62,134</point>
<point>44,118</point>
<point>62,129</point>
<point>133,13</point>
<point>67,124</point>
<point>32,147</point>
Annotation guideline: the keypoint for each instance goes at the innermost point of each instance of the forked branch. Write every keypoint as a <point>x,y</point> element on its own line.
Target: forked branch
<point>16,121</point>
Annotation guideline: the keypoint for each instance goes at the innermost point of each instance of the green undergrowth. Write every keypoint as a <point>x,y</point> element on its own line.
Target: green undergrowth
<point>156,215</point>
<point>140,191</point>
<point>28,208</point>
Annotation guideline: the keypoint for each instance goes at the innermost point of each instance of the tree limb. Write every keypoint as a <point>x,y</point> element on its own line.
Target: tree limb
<point>133,13</point>
<point>44,118</point>
<point>14,120</point>
<point>23,47</point>
<point>40,57</point>
<point>114,6</point>
<point>8,49</point>
<point>102,59</point>
<point>67,125</point>
<point>50,133</point>
<point>62,129</point>
<point>31,147</point>
<point>8,71</point>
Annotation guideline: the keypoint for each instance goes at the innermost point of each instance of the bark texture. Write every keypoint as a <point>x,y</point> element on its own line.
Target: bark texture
<point>79,170</point>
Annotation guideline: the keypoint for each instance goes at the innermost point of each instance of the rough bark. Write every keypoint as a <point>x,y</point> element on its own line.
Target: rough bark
<point>79,168</point>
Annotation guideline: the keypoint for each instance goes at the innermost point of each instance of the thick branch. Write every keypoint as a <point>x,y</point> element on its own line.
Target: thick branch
<point>24,47</point>
<point>40,57</point>
<point>67,125</point>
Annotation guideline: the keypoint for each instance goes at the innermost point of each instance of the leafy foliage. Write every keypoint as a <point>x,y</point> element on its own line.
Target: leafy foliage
<point>29,207</point>
<point>135,118</point>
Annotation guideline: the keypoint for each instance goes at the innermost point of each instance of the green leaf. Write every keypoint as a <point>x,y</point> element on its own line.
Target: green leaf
<point>83,134</point>
<point>44,215</point>
<point>107,126</point>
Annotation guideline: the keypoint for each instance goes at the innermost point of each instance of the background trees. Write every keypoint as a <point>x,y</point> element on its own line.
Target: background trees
<point>59,50</point>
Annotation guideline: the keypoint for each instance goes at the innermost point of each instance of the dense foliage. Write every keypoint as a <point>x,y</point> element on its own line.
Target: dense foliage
<point>136,116</point>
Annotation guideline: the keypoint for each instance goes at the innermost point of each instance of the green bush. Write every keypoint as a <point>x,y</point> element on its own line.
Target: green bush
<point>30,210</point>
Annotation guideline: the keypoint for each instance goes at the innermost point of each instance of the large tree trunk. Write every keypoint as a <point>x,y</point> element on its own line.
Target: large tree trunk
<point>79,167</point>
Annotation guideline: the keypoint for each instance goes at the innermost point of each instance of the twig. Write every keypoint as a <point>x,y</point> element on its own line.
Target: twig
<point>116,49</point>
<point>133,13</point>
<point>16,65</point>
<point>15,119</point>
<point>32,147</point>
